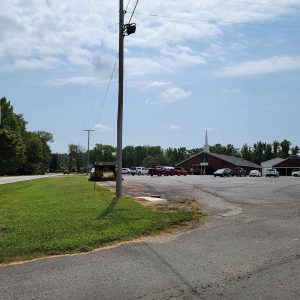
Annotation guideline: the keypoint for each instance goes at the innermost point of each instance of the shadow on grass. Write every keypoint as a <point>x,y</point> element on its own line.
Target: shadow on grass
<point>110,208</point>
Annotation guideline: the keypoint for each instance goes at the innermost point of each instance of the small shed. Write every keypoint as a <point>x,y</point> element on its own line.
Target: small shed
<point>103,171</point>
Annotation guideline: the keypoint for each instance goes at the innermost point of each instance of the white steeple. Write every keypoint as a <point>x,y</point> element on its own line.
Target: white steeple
<point>206,147</point>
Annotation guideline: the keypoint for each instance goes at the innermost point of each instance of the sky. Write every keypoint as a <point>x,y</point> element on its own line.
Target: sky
<point>231,67</point>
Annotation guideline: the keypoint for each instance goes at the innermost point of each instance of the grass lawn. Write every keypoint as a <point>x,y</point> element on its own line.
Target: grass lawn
<point>65,215</point>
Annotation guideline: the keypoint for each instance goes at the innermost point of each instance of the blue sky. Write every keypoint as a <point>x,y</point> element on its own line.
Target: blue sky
<point>230,66</point>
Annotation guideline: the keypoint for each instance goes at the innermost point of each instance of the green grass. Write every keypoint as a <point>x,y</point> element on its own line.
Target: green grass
<point>65,215</point>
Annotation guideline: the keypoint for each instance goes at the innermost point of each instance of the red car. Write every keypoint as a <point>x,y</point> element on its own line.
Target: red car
<point>180,171</point>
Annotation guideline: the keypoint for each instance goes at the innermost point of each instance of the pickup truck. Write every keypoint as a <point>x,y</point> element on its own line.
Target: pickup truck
<point>139,171</point>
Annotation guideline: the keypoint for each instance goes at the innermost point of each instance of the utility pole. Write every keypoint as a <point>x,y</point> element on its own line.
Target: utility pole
<point>120,102</point>
<point>124,30</point>
<point>88,152</point>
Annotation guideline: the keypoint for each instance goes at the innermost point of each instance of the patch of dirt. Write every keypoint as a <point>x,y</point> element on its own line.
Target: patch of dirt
<point>3,231</point>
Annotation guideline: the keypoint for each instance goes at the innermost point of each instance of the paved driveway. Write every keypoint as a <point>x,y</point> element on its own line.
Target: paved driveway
<point>249,248</point>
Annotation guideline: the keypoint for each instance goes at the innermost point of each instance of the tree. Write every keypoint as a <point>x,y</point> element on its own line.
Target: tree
<point>45,137</point>
<point>276,148</point>
<point>246,152</point>
<point>54,162</point>
<point>295,150</point>
<point>103,153</point>
<point>34,155</point>
<point>258,151</point>
<point>12,146</point>
<point>128,157</point>
<point>285,149</point>
<point>76,157</point>
<point>268,152</point>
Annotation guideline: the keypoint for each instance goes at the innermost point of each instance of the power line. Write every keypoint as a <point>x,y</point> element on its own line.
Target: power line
<point>127,5</point>
<point>263,4</point>
<point>218,21</point>
<point>114,67</point>
<point>107,89</point>
<point>133,10</point>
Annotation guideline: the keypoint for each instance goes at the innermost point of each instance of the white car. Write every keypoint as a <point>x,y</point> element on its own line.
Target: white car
<point>254,173</point>
<point>139,171</point>
<point>296,174</point>
<point>125,171</point>
<point>272,173</point>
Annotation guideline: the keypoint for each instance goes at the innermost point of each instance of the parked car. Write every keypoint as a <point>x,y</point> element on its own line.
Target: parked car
<point>125,171</point>
<point>180,171</point>
<point>222,172</point>
<point>272,173</point>
<point>238,172</point>
<point>167,171</point>
<point>162,170</point>
<point>66,171</point>
<point>254,173</point>
<point>296,174</point>
<point>155,171</point>
<point>139,171</point>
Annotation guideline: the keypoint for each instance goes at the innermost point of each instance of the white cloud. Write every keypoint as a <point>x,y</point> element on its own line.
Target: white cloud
<point>271,65</point>
<point>80,80</point>
<point>103,128</point>
<point>73,30</point>
<point>158,84</point>
<point>173,94</point>
<point>174,127</point>
<point>34,64</point>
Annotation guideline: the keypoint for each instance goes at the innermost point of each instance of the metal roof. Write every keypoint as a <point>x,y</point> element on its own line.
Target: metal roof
<point>238,161</point>
<point>270,163</point>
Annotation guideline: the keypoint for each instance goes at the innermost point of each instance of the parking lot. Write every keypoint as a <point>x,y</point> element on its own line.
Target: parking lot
<point>250,195</point>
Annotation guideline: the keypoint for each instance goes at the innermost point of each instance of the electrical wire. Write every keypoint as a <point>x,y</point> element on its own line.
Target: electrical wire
<point>133,10</point>
<point>114,67</point>
<point>265,4</point>
<point>107,89</point>
<point>127,5</point>
<point>217,21</point>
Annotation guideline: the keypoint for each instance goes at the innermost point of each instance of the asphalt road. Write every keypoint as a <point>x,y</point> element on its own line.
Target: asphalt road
<point>248,248</point>
<point>12,179</point>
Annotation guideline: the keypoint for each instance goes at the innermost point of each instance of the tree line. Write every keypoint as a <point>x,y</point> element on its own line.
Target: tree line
<point>21,151</point>
<point>150,156</point>
<point>27,152</point>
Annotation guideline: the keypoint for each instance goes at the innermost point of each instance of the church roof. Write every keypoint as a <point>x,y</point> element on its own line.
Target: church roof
<point>238,161</point>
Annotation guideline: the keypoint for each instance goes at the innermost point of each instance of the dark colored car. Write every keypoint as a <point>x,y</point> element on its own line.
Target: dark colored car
<point>238,172</point>
<point>222,172</point>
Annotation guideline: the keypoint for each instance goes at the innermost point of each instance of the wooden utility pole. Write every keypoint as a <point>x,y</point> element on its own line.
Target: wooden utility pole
<point>120,102</point>
<point>88,151</point>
